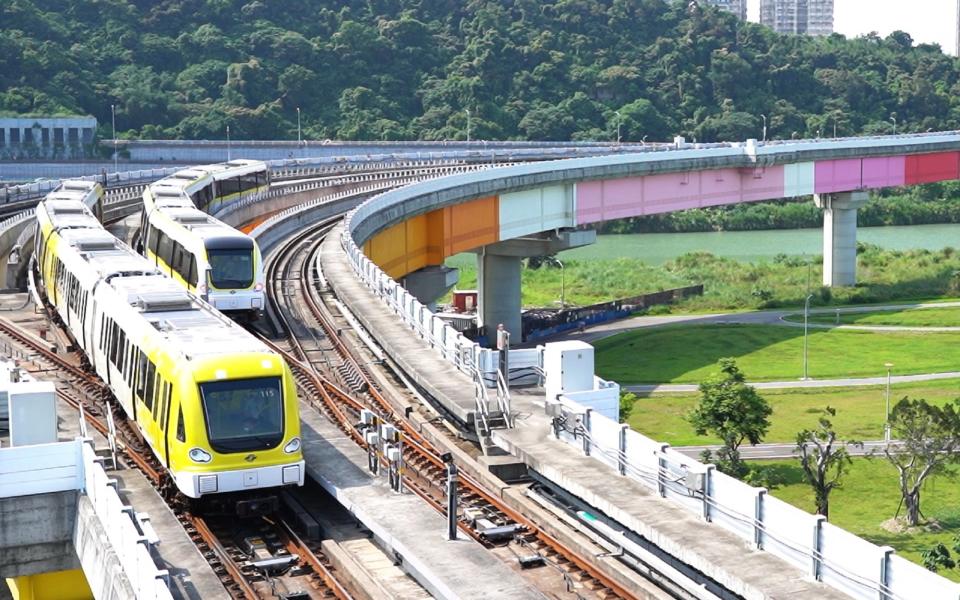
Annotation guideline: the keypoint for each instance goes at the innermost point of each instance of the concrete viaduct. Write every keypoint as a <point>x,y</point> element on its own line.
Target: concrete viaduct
<point>532,209</point>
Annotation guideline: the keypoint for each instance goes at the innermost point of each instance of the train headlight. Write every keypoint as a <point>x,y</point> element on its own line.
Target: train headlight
<point>292,446</point>
<point>199,455</point>
<point>258,287</point>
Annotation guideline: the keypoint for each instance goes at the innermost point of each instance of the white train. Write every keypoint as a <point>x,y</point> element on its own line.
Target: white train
<point>207,256</point>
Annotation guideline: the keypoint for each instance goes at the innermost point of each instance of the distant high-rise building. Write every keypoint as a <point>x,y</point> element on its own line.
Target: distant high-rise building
<point>806,17</point>
<point>737,7</point>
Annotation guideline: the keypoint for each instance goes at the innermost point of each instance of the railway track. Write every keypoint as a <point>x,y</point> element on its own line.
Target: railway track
<point>254,558</point>
<point>326,368</point>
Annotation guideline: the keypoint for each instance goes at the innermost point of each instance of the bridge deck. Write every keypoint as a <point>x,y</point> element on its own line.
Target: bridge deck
<point>706,547</point>
<point>443,383</point>
<point>404,523</point>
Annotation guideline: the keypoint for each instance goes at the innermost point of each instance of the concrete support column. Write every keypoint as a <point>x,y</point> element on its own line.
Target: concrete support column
<point>840,236</point>
<point>498,283</point>
<point>429,284</point>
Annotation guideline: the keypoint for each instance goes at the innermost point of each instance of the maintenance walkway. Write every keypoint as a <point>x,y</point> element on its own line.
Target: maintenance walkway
<point>695,543</point>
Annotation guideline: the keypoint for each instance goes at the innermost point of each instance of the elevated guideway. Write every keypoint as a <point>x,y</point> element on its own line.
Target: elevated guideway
<point>776,551</point>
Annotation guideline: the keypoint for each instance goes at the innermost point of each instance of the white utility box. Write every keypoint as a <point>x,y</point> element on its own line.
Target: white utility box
<point>33,412</point>
<point>568,367</point>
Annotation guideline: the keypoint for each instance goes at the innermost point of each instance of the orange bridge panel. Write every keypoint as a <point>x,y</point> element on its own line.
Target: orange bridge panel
<point>417,242</point>
<point>472,224</point>
<point>388,249</point>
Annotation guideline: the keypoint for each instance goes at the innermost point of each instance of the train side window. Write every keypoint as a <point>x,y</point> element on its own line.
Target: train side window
<point>115,343</point>
<point>158,396</point>
<point>103,332</point>
<point>149,394</point>
<point>181,434</point>
<point>177,253</point>
<point>165,413</point>
<point>192,278</point>
<point>141,374</point>
<point>152,239</point>
<point>165,248</point>
<point>131,367</point>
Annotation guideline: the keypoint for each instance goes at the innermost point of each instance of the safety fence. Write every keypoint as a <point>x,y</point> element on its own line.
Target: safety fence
<point>824,551</point>
<point>66,466</point>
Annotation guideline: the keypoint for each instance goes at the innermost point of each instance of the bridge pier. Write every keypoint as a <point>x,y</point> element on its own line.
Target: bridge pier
<point>430,283</point>
<point>840,236</point>
<point>498,275</point>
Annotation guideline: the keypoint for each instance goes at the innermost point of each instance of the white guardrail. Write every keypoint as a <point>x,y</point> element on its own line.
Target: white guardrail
<point>828,553</point>
<point>64,466</point>
<point>833,555</point>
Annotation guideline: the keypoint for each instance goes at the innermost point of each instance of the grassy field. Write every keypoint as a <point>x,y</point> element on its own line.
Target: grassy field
<point>688,354</point>
<point>883,276</point>
<point>918,317</point>
<point>860,411</point>
<point>870,496</point>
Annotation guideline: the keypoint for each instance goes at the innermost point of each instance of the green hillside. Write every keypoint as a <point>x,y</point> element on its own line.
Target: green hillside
<point>409,69</point>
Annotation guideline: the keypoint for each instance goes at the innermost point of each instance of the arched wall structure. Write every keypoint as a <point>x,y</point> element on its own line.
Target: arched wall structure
<point>419,226</point>
<point>481,209</point>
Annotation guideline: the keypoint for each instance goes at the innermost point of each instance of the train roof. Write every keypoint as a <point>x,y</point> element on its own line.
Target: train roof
<point>235,168</point>
<point>191,327</point>
<point>201,224</point>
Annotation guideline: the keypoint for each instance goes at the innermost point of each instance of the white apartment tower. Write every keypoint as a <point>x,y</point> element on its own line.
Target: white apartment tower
<point>804,17</point>
<point>737,7</point>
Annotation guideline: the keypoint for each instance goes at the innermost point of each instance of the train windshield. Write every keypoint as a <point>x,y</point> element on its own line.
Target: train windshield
<point>231,267</point>
<point>243,414</point>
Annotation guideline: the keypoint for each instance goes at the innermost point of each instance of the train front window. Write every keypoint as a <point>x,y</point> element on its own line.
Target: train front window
<point>231,267</point>
<point>244,414</point>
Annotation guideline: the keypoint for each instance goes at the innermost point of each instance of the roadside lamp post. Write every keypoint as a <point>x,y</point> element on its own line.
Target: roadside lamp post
<point>806,315</point>
<point>893,119</point>
<point>228,143</point>
<point>468,123</point>
<point>764,117</point>
<point>299,138</point>
<point>886,423</point>
<point>617,112</point>
<point>113,125</point>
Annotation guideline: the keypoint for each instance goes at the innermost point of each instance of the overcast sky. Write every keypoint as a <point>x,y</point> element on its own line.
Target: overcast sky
<point>927,21</point>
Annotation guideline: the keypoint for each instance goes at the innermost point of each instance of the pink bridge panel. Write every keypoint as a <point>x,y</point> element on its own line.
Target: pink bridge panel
<point>884,172</point>
<point>654,194</point>
<point>762,184</point>
<point>837,176</point>
<point>670,191</point>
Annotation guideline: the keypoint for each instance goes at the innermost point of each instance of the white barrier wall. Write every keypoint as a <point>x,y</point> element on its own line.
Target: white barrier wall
<point>834,556</point>
<point>46,468</point>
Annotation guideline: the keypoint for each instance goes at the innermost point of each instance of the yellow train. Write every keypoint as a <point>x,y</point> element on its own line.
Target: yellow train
<point>205,255</point>
<point>217,406</point>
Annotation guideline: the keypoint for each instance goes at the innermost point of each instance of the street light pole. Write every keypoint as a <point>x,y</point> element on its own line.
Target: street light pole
<point>468,123</point>
<point>893,119</point>
<point>113,125</point>
<point>228,143</point>
<point>299,138</point>
<point>886,423</point>
<point>764,117</point>
<point>806,314</point>
<point>617,112</point>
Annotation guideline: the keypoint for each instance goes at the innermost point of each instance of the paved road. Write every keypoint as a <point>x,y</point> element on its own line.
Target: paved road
<point>797,383</point>
<point>761,317</point>
<point>771,451</point>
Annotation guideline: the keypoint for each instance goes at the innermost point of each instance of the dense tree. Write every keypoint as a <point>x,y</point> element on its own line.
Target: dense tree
<point>536,69</point>
<point>732,410</point>
<point>927,440</point>
<point>823,459</point>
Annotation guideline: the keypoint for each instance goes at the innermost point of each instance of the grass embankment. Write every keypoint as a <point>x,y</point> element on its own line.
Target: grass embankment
<point>860,411</point>
<point>689,353</point>
<point>883,275</point>
<point>869,497</point>
<point>914,317</point>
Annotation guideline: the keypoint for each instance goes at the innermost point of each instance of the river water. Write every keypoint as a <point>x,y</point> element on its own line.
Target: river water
<point>656,248</point>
